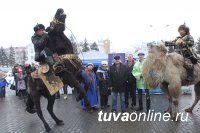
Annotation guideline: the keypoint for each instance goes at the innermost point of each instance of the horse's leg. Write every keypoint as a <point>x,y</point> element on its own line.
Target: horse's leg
<point>51,100</point>
<point>36,99</point>
<point>197,97</point>
<point>73,82</point>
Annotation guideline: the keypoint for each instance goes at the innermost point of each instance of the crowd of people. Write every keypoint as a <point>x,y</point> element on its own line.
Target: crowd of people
<point>118,79</point>
<point>19,84</point>
<point>20,74</point>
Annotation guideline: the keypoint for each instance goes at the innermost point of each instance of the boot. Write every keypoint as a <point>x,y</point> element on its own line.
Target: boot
<point>49,75</point>
<point>190,72</point>
<point>49,60</point>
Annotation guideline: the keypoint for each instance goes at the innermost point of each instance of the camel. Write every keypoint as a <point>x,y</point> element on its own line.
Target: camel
<point>167,69</point>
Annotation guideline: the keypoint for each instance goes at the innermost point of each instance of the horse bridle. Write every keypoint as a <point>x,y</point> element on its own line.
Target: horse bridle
<point>56,21</point>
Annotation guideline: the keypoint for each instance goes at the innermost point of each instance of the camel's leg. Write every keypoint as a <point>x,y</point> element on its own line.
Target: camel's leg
<point>174,89</point>
<point>164,87</point>
<point>51,100</point>
<point>169,109</point>
<point>197,97</point>
<point>36,100</point>
<point>176,116</point>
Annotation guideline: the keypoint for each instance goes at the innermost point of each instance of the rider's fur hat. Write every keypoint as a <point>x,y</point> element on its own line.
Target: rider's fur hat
<point>38,27</point>
<point>185,28</point>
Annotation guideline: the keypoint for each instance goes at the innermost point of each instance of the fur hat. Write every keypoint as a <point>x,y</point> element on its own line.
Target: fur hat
<point>38,27</point>
<point>117,57</point>
<point>185,28</point>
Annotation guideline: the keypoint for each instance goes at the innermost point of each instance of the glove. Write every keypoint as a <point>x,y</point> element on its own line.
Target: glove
<point>179,42</point>
<point>49,29</point>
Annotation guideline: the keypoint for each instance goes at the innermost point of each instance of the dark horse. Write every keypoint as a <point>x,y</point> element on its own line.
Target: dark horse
<point>62,47</point>
<point>70,74</point>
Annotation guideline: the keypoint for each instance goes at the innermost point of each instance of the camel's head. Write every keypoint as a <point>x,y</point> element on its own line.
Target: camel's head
<point>158,49</point>
<point>154,65</point>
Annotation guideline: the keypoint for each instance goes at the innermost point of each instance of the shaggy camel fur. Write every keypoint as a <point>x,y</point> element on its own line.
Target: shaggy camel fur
<point>169,71</point>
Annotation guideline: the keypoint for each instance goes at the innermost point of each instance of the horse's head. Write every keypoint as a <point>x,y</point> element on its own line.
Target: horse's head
<point>58,23</point>
<point>59,43</point>
<point>60,16</point>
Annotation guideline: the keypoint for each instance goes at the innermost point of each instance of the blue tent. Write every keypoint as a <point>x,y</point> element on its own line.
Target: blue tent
<point>94,57</point>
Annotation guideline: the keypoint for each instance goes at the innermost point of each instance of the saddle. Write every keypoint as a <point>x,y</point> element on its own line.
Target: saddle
<point>73,59</point>
<point>40,73</point>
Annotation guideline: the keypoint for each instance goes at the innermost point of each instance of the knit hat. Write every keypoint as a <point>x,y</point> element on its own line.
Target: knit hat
<point>140,53</point>
<point>90,64</point>
<point>104,62</point>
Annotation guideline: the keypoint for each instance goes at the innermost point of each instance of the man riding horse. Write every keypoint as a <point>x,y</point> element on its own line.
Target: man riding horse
<point>56,50</point>
<point>183,45</point>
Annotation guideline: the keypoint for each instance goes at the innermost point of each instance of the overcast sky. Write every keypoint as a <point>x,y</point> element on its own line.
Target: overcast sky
<point>124,22</point>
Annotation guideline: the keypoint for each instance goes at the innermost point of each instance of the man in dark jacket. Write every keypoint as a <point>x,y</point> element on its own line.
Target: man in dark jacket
<point>40,40</point>
<point>118,78</point>
<point>131,83</point>
<point>42,54</point>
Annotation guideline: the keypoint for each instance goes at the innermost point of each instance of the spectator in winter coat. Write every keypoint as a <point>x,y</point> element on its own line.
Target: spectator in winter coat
<point>103,81</point>
<point>118,78</point>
